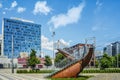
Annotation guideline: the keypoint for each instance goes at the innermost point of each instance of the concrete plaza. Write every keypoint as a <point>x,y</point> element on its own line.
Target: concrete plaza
<point>103,76</point>
<point>5,74</point>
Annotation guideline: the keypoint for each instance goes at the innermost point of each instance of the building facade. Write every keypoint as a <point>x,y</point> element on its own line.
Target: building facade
<point>20,36</point>
<point>108,49</point>
<point>116,48</point>
<point>112,49</point>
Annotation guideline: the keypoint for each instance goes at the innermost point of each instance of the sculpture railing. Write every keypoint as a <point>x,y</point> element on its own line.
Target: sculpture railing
<point>67,61</point>
<point>85,59</point>
<point>62,63</point>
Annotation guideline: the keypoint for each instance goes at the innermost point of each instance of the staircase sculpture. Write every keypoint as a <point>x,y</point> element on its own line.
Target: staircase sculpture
<point>74,67</point>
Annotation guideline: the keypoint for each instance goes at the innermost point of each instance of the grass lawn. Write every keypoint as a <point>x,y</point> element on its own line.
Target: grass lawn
<point>78,78</point>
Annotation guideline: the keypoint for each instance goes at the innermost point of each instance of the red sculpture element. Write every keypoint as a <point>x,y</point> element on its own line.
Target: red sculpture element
<point>75,68</point>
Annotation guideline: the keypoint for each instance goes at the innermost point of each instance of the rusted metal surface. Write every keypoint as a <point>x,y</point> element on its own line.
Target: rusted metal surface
<point>74,69</point>
<point>66,54</point>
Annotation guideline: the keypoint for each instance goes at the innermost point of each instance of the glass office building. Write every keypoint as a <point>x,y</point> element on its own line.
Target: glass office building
<point>20,36</point>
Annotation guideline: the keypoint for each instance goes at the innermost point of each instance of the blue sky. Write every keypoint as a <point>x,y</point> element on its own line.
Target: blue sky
<point>72,20</point>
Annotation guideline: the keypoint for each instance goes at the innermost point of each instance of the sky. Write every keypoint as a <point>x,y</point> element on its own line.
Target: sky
<point>73,21</point>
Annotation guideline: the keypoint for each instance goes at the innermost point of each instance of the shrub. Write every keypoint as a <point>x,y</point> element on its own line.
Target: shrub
<point>102,71</point>
<point>114,70</point>
<point>34,71</point>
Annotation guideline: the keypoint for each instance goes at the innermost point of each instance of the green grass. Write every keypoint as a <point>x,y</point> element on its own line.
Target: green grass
<point>114,70</point>
<point>78,78</point>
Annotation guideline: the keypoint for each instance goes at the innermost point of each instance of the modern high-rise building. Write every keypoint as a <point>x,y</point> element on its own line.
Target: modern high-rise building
<point>108,49</point>
<point>112,49</point>
<point>116,48</point>
<point>20,36</point>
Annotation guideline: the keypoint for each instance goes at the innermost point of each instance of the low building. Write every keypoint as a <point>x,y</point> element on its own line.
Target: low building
<point>22,61</point>
<point>5,62</point>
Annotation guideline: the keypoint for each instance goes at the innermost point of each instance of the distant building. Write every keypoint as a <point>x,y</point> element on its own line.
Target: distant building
<point>112,49</point>
<point>98,54</point>
<point>116,48</point>
<point>22,62</point>
<point>20,36</point>
<point>108,50</point>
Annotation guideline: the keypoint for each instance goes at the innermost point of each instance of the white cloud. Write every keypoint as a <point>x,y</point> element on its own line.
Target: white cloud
<point>72,16</point>
<point>95,28</point>
<point>99,6</point>
<point>13,4</point>
<point>6,8</point>
<point>4,12</point>
<point>41,7</point>
<point>48,45</point>
<point>99,25</point>
<point>98,3</point>
<point>0,5</point>
<point>64,43</point>
<point>99,28</point>
<point>21,9</point>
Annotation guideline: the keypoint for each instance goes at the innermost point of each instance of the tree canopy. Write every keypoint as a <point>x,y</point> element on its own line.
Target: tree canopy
<point>106,61</point>
<point>48,61</point>
<point>60,60</point>
<point>59,57</point>
<point>33,60</point>
<point>117,60</point>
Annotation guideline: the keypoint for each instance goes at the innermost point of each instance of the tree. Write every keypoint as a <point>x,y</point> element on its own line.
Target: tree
<point>113,61</point>
<point>106,61</point>
<point>117,59</point>
<point>60,57</point>
<point>33,60</point>
<point>48,61</point>
<point>96,63</point>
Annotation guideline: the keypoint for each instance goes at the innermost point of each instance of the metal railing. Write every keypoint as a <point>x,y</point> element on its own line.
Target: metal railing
<point>62,63</point>
<point>67,62</point>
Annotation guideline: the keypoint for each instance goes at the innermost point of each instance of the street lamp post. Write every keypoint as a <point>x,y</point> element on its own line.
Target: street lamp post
<point>12,55</point>
<point>117,57</point>
<point>53,34</point>
<point>94,44</point>
<point>117,61</point>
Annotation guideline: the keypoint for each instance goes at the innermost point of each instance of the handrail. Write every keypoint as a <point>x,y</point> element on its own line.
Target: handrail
<point>62,63</point>
<point>66,61</point>
<point>69,63</point>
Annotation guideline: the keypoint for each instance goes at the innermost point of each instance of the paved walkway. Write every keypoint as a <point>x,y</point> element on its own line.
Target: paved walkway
<point>104,76</point>
<point>5,74</point>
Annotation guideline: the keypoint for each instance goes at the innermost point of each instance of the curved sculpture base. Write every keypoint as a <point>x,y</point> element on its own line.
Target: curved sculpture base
<point>74,69</point>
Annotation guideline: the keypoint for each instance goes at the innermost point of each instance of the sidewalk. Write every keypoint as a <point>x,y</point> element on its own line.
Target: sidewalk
<point>104,76</point>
